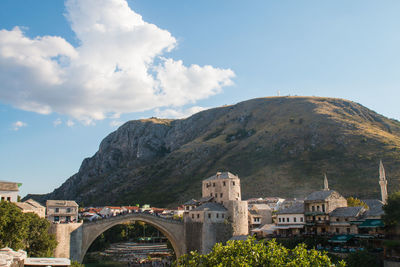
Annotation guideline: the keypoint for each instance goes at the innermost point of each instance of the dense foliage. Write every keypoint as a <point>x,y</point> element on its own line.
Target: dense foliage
<point>362,259</point>
<point>25,231</point>
<point>253,253</point>
<point>392,210</point>
<point>355,202</point>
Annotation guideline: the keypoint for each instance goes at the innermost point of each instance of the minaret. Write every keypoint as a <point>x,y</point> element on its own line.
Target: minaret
<point>383,182</point>
<point>326,186</point>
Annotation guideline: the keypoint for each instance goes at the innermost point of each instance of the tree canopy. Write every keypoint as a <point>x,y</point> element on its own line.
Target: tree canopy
<point>25,231</point>
<point>392,210</point>
<point>355,202</point>
<point>253,253</point>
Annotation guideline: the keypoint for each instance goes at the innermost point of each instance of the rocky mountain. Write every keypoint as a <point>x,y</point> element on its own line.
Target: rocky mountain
<point>279,146</point>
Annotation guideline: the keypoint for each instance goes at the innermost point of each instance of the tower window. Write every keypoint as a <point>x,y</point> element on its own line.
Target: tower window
<point>233,183</point>
<point>224,184</point>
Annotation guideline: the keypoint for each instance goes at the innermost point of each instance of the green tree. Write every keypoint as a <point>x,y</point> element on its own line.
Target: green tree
<point>252,253</point>
<point>25,231</point>
<point>392,210</point>
<point>362,259</point>
<point>355,202</point>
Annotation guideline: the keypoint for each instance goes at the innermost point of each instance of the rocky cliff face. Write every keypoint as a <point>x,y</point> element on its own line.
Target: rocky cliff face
<point>278,146</point>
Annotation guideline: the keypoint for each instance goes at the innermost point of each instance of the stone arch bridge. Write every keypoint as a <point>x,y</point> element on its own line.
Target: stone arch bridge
<point>75,239</point>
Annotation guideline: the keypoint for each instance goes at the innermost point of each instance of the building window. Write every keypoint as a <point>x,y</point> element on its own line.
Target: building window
<point>283,219</point>
<point>319,218</point>
<point>348,230</point>
<point>337,219</point>
<point>223,215</point>
<point>294,219</point>
<point>68,210</point>
<point>323,207</point>
<point>187,207</point>
<point>337,230</point>
<point>192,216</point>
<point>210,194</point>
<point>209,216</point>
<point>216,194</point>
<point>3,198</point>
<point>220,195</point>
<point>301,219</point>
<point>9,199</point>
<point>198,216</point>
<point>57,210</point>
<point>288,220</point>
<point>56,218</point>
<point>233,183</point>
<point>313,208</point>
<point>217,215</point>
<point>317,208</point>
<point>213,184</point>
<point>224,183</point>
<point>222,203</point>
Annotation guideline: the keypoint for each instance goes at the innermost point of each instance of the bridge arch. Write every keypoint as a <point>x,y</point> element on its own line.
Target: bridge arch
<point>172,229</point>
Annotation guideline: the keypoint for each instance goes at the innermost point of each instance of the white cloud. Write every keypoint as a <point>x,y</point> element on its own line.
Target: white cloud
<point>57,122</point>
<point>112,71</point>
<point>19,124</point>
<point>178,113</point>
<point>70,123</point>
<point>116,123</point>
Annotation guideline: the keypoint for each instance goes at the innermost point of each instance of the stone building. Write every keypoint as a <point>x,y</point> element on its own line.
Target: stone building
<point>61,211</point>
<point>259,215</point>
<point>9,191</point>
<point>31,205</point>
<point>290,221</point>
<point>224,187</point>
<point>342,220</point>
<point>317,207</point>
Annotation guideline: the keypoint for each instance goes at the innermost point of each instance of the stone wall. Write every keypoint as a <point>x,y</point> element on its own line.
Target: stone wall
<point>238,215</point>
<point>63,237</point>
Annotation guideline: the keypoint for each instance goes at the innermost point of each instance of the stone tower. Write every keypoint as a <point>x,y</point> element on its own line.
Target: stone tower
<point>224,187</point>
<point>383,182</point>
<point>326,186</point>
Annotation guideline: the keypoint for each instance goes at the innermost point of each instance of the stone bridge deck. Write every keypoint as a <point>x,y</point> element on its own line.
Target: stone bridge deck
<point>84,236</point>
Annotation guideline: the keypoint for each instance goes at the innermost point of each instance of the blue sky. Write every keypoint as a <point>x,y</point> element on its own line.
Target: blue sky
<point>66,93</point>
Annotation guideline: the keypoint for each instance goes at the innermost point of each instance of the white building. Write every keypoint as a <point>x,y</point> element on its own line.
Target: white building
<point>62,211</point>
<point>291,221</point>
<point>9,191</point>
<point>109,211</point>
